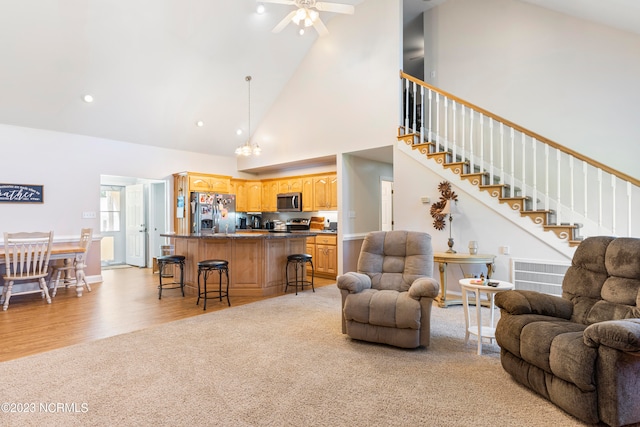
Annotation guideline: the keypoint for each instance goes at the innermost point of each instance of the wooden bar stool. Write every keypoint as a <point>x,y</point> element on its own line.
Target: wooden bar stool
<point>299,261</point>
<point>165,261</point>
<point>207,267</point>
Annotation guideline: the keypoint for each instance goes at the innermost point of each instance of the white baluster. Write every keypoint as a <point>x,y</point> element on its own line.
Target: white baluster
<point>446,124</point>
<point>437,121</point>
<point>613,204</point>
<point>430,118</point>
<point>471,160</point>
<point>547,168</point>
<point>463,145</point>
<point>534,148</point>
<point>481,144</point>
<point>454,143</point>
<point>513,162</point>
<point>406,107</point>
<point>502,168</point>
<point>491,165</point>
<point>585,185</point>
<point>524,167</point>
<point>600,219</point>
<point>422,139</point>
<point>629,192</point>
<point>571,191</point>
<point>414,107</point>
<point>558,187</point>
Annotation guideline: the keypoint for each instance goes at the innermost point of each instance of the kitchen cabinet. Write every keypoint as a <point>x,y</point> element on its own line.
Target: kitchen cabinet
<point>270,190</point>
<point>209,183</point>
<point>307,193</point>
<point>254,196</point>
<point>325,193</point>
<point>239,188</point>
<point>325,255</point>
<point>290,185</point>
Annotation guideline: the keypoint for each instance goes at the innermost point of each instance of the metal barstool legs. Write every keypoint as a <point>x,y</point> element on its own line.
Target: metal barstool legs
<point>165,261</point>
<point>204,269</point>
<point>299,261</point>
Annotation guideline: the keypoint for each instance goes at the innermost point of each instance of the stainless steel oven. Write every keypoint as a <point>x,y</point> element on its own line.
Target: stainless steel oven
<point>289,202</point>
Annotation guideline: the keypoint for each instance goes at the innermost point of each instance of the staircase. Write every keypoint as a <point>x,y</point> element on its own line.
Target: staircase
<point>559,190</point>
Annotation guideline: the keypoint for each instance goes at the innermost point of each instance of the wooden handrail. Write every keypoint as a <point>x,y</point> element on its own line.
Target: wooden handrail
<point>595,163</point>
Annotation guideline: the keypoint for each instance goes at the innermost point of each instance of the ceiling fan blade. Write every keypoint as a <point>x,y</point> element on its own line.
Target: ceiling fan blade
<point>335,7</point>
<point>284,22</point>
<point>320,27</point>
<point>289,2</point>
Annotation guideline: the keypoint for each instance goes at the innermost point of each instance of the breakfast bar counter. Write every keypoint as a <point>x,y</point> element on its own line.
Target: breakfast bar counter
<point>257,259</point>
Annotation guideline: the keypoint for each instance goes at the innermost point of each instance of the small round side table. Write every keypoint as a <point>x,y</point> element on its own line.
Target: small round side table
<point>479,330</point>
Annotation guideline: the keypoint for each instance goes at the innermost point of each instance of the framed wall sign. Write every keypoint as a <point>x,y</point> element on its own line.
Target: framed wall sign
<point>21,193</point>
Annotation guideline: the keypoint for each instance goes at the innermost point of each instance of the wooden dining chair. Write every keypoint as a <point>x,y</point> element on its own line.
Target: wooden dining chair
<point>73,268</point>
<point>26,259</point>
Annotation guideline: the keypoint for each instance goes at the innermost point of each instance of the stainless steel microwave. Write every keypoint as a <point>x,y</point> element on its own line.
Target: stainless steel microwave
<point>289,202</point>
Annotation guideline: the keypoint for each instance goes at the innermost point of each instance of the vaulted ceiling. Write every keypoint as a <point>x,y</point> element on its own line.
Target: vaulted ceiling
<point>156,68</point>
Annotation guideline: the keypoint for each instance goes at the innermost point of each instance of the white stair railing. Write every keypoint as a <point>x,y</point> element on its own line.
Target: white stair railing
<point>577,190</point>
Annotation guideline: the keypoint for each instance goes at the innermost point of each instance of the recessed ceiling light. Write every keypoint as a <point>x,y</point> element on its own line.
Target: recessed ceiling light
<point>239,132</point>
<point>199,123</point>
<point>260,9</point>
<point>87,98</point>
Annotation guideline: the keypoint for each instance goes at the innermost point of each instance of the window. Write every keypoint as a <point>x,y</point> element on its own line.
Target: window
<point>110,206</point>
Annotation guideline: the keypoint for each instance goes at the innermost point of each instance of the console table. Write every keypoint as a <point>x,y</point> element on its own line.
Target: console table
<point>445,258</point>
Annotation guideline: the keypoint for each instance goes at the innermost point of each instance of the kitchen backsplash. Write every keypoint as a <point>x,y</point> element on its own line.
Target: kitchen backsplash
<point>329,216</point>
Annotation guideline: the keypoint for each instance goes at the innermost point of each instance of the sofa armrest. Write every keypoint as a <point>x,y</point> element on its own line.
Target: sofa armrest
<point>424,287</point>
<point>623,335</point>
<point>531,302</point>
<point>354,282</point>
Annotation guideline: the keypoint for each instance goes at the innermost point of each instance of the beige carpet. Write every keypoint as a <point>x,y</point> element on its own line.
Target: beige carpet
<point>277,362</point>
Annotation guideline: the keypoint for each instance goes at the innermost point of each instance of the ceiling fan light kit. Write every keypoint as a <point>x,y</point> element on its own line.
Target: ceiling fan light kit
<point>307,14</point>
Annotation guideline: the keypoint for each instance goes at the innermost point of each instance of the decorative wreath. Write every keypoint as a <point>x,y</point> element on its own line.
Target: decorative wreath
<point>446,193</point>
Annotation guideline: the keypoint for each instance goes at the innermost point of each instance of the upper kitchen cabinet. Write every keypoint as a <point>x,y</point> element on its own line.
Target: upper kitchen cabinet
<point>270,190</point>
<point>290,185</point>
<point>307,193</point>
<point>254,196</point>
<point>239,188</point>
<point>208,183</point>
<point>325,193</point>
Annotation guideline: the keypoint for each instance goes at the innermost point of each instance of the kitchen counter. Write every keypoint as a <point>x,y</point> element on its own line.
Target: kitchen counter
<point>248,234</point>
<point>257,258</point>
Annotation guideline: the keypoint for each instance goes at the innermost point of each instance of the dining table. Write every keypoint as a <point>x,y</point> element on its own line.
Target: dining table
<point>68,251</point>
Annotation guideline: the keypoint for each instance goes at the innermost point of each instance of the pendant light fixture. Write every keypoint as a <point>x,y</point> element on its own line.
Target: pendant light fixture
<point>248,148</point>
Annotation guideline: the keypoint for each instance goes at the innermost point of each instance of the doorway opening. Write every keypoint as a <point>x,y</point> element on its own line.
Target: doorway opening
<point>134,213</point>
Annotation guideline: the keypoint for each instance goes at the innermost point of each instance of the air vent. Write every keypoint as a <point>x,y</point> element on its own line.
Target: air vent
<point>539,276</point>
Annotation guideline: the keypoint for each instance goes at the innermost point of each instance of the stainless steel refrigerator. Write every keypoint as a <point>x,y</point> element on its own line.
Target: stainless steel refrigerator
<point>213,213</point>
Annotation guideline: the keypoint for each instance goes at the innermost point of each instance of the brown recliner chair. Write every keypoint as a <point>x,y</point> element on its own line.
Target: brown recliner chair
<point>581,351</point>
<point>388,300</point>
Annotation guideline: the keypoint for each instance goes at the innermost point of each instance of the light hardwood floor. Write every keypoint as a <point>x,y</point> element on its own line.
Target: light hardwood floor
<point>127,300</point>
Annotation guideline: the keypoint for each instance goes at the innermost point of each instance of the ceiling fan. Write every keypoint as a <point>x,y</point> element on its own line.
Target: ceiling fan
<point>308,14</point>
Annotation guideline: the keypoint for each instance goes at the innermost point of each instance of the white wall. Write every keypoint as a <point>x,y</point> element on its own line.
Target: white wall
<point>342,97</point>
<point>69,166</point>
<point>569,80</point>
<point>474,221</point>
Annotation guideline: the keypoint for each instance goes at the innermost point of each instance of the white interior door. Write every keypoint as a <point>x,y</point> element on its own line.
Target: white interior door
<point>157,219</point>
<point>386,205</point>
<point>135,225</point>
